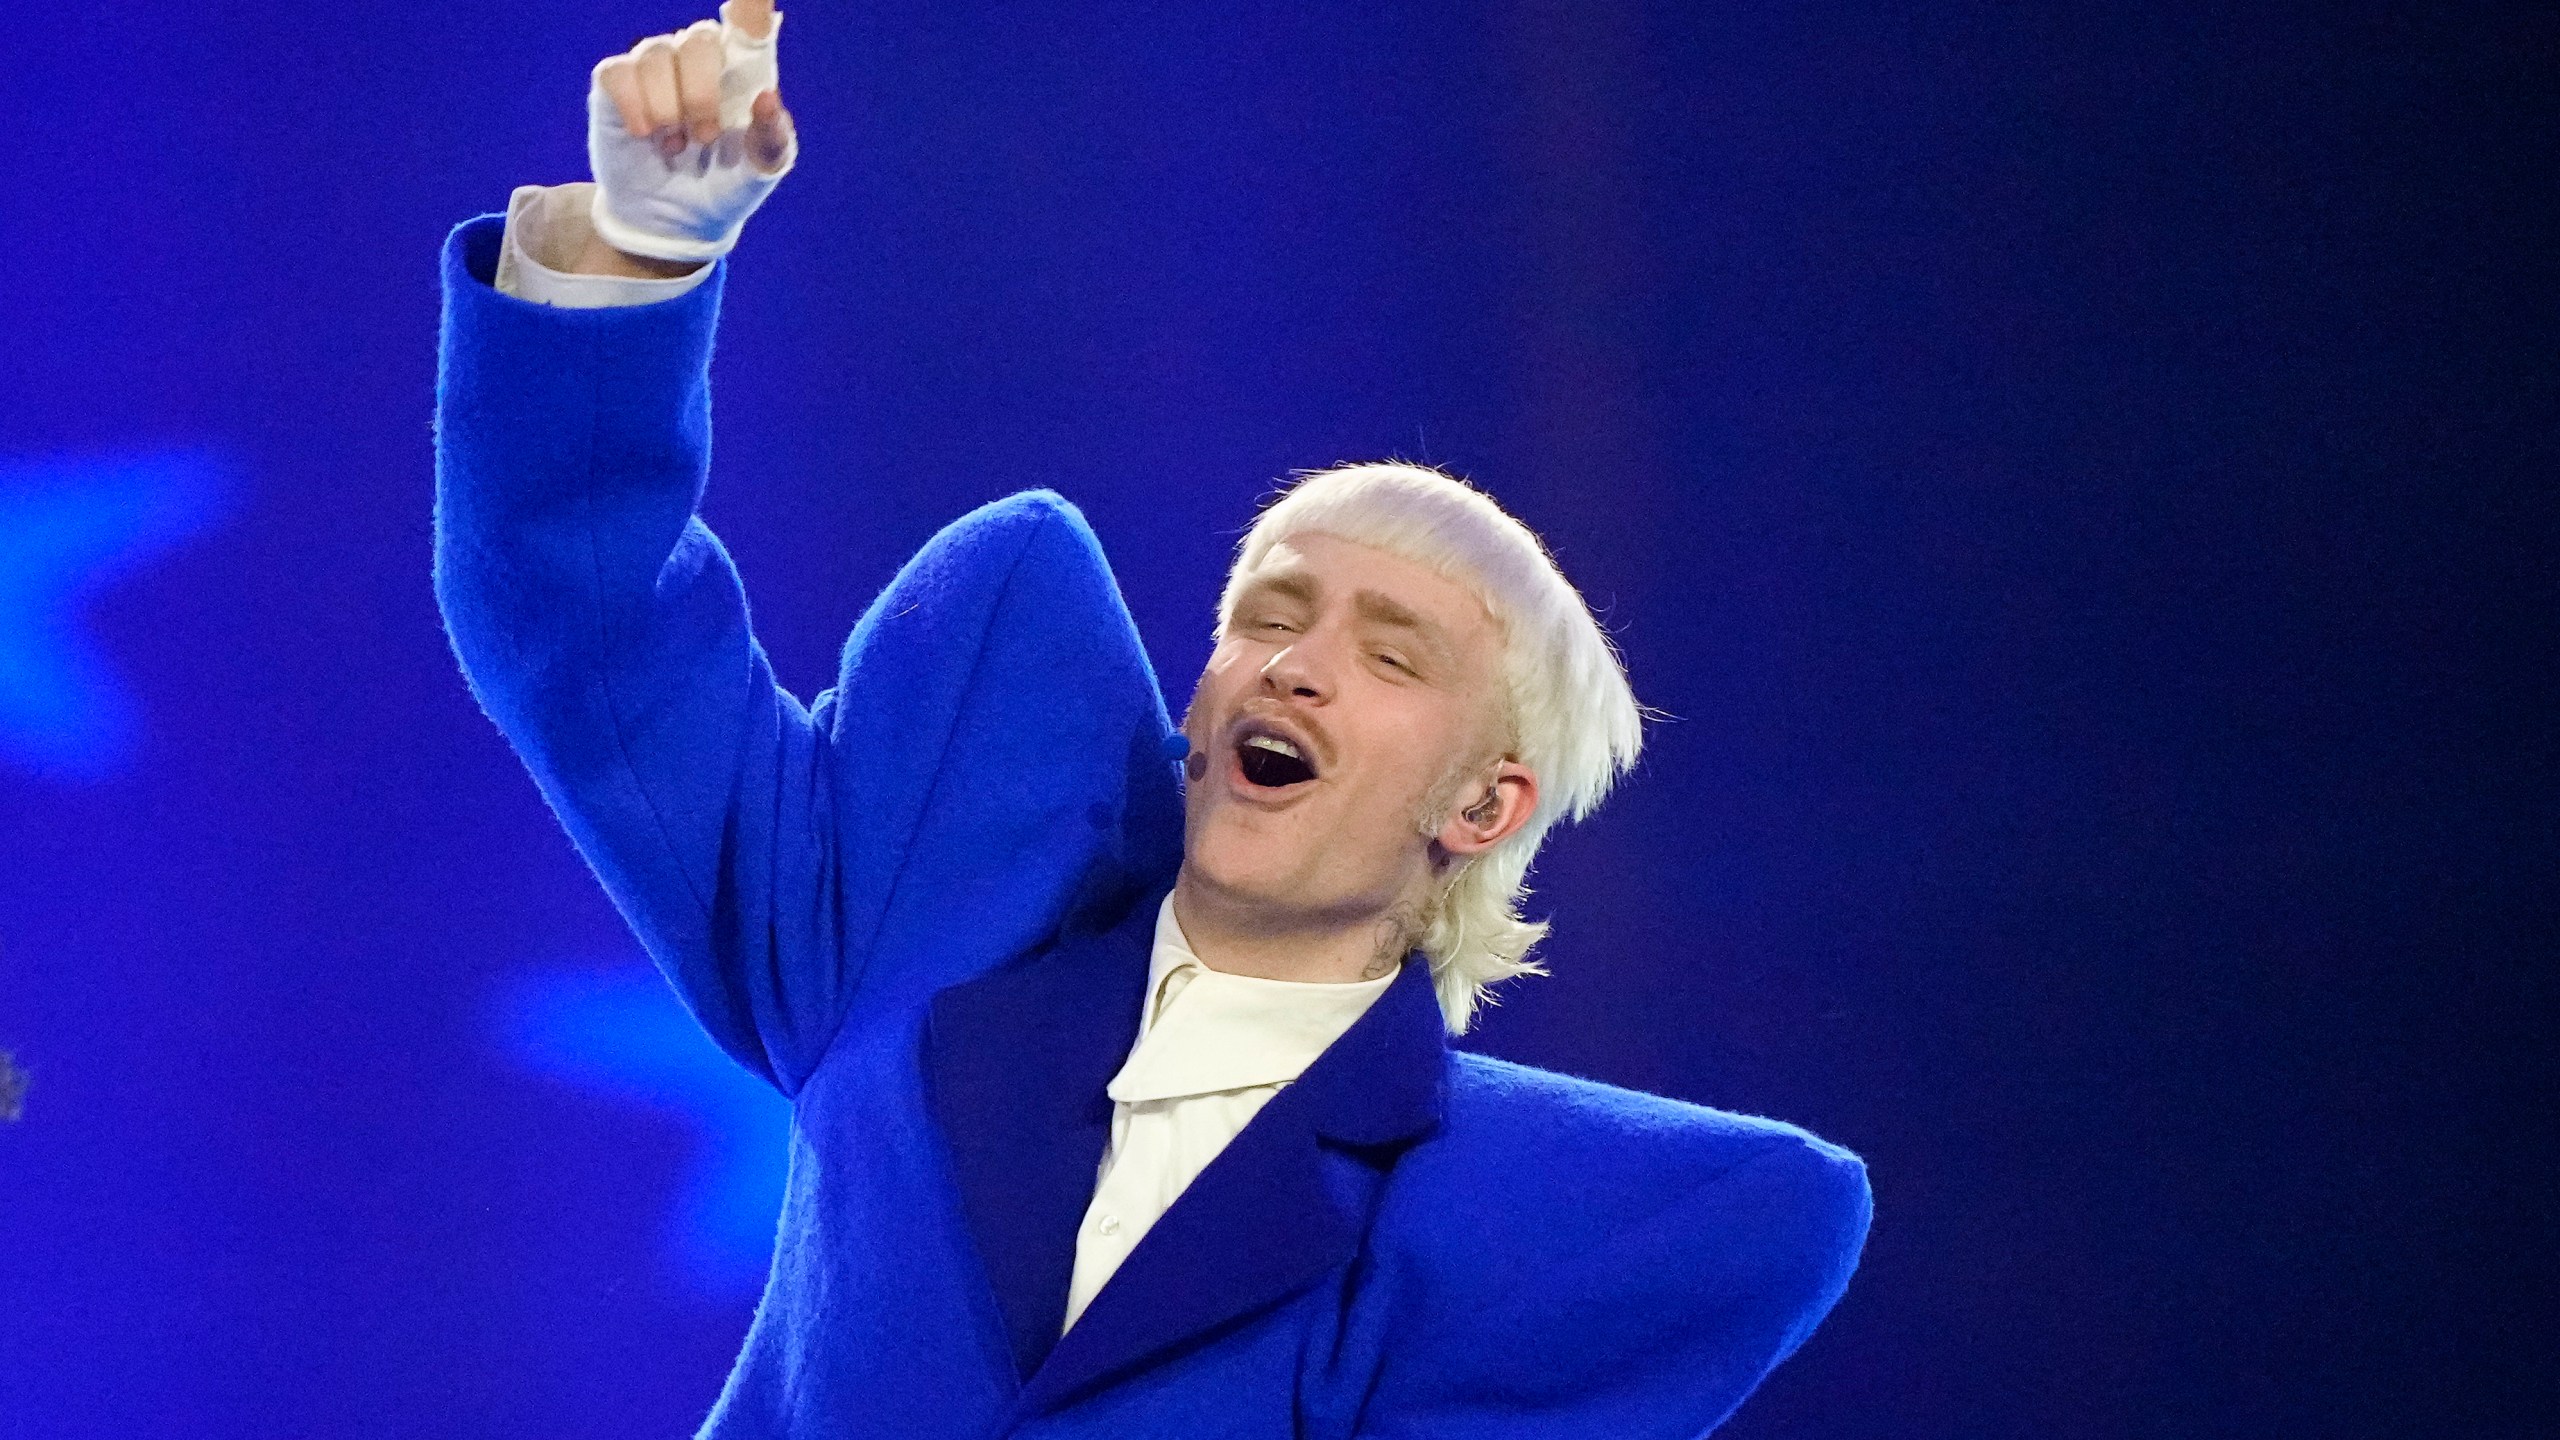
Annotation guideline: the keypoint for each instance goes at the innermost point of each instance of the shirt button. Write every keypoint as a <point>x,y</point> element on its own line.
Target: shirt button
<point>1110,1225</point>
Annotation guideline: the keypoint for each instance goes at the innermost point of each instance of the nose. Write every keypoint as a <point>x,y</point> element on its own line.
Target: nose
<point>1295,672</point>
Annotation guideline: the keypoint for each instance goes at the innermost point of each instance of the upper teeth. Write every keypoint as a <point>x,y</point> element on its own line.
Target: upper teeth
<point>1275,743</point>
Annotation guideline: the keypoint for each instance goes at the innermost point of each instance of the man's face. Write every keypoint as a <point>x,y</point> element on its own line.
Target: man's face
<point>1354,688</point>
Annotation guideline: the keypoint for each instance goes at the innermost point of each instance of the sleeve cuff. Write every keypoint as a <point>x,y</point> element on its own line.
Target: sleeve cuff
<point>550,222</point>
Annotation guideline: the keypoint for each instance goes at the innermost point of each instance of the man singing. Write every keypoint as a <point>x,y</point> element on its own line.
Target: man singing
<point>1122,1098</point>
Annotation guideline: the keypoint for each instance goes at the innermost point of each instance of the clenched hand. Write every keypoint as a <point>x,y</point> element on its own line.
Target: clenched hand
<point>687,135</point>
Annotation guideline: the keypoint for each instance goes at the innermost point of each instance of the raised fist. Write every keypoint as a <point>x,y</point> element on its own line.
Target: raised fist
<point>686,135</point>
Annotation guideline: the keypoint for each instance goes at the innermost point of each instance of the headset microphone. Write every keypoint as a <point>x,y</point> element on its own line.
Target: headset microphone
<point>1194,763</point>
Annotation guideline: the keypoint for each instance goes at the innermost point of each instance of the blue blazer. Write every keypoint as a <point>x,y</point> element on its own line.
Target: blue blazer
<point>921,907</point>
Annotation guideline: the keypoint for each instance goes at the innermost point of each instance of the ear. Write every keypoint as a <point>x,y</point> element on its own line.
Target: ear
<point>1483,818</point>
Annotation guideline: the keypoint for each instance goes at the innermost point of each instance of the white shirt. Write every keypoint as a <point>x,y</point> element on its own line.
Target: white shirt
<point>1212,1048</point>
<point>547,226</point>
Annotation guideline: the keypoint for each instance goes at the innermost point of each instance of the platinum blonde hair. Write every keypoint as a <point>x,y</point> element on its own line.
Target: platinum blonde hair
<point>1568,712</point>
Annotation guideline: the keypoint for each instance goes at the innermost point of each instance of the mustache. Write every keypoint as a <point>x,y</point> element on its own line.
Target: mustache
<point>1194,758</point>
<point>1287,720</point>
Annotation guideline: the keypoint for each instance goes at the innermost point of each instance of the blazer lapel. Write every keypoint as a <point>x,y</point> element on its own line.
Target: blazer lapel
<point>1287,1201</point>
<point>1017,1060</point>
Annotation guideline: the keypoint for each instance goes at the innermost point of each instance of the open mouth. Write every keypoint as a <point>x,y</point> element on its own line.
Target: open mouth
<point>1272,762</point>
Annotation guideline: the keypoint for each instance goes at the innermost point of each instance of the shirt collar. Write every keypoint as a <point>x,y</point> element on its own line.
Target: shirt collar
<point>1203,1030</point>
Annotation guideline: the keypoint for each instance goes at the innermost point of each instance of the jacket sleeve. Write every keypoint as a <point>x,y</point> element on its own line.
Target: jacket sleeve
<point>757,847</point>
<point>1656,1334</point>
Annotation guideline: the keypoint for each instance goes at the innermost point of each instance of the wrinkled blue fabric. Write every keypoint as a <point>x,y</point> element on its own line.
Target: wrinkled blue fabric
<point>897,908</point>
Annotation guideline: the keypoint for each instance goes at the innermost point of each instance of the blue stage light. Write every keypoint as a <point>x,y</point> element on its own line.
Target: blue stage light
<point>620,1034</point>
<point>69,526</point>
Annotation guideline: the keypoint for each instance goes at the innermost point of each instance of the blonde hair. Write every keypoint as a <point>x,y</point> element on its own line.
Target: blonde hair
<point>1571,717</point>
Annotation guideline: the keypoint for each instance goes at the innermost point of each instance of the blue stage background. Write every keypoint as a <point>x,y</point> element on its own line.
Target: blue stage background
<point>2081,482</point>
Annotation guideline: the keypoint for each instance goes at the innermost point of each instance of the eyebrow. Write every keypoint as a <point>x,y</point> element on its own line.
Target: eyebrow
<point>1380,610</point>
<point>1370,605</point>
<point>1287,585</point>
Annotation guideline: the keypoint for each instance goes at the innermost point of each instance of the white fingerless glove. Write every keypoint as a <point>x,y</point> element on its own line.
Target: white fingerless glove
<point>692,206</point>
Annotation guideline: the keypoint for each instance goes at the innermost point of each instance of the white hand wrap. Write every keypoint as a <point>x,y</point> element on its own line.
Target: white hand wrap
<point>690,207</point>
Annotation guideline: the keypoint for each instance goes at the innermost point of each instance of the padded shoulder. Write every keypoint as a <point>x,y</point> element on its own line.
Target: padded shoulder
<point>1532,1169</point>
<point>996,709</point>
<point>1582,1260</point>
<point>1577,1161</point>
<point>1569,1109</point>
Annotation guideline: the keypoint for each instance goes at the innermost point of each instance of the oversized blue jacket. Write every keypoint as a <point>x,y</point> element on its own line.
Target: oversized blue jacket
<point>898,906</point>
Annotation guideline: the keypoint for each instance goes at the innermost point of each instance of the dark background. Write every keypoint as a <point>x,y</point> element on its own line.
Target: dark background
<point>2080,477</point>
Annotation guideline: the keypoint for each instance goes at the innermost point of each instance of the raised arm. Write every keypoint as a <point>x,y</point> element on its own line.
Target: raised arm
<point>687,135</point>
<point>990,756</point>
